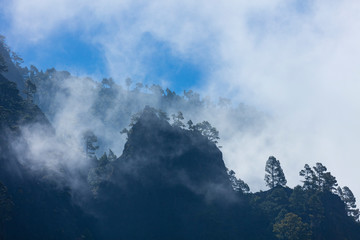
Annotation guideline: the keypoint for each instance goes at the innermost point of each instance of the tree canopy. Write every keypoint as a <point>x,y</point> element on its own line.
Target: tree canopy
<point>318,178</point>
<point>274,175</point>
<point>291,227</point>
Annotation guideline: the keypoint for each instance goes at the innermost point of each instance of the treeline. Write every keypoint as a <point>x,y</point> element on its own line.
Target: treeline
<point>307,210</point>
<point>316,179</point>
<point>317,209</point>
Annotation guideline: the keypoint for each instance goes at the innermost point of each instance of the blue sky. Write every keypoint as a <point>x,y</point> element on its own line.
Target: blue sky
<point>69,50</point>
<point>297,60</point>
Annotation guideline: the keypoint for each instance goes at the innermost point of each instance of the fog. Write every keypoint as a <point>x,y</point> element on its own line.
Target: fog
<point>294,61</point>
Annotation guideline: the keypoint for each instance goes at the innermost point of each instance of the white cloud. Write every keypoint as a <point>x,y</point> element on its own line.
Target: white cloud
<point>301,65</point>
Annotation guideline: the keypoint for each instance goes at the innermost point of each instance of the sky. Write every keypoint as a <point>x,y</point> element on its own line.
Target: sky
<point>296,60</point>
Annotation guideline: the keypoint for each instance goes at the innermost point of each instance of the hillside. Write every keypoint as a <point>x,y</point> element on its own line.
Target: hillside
<point>170,181</point>
<point>31,207</point>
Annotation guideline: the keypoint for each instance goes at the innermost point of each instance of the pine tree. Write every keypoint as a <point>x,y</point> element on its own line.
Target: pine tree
<point>111,156</point>
<point>330,182</point>
<point>350,202</point>
<point>190,125</point>
<point>323,180</point>
<point>274,175</point>
<point>103,160</point>
<point>237,184</point>
<point>207,130</point>
<point>310,178</point>
<point>320,171</point>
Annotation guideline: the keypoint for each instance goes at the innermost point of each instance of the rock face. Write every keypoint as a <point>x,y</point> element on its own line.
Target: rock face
<point>169,183</point>
<point>157,153</point>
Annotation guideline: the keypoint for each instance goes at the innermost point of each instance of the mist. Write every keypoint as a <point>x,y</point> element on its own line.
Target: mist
<point>294,62</point>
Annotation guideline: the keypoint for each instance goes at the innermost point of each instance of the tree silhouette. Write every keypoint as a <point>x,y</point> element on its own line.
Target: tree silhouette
<point>323,180</point>
<point>190,125</point>
<point>309,176</point>
<point>90,144</point>
<point>350,202</point>
<point>207,130</point>
<point>237,184</point>
<point>274,175</point>
<point>17,60</point>
<point>111,156</point>
<point>107,83</point>
<point>177,118</point>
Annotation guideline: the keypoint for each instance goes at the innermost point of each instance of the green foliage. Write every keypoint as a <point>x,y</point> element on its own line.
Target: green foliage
<point>274,175</point>
<point>291,227</point>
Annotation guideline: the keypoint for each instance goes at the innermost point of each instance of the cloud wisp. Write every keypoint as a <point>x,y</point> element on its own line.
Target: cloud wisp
<point>297,60</point>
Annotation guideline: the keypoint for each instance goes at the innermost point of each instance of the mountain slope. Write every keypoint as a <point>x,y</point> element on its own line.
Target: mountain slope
<point>30,206</point>
<point>169,183</point>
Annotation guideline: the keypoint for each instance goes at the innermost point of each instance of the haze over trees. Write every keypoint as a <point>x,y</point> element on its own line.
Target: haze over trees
<point>169,182</point>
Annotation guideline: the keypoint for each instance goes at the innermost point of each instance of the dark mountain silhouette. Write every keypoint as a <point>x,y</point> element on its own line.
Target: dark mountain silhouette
<point>30,207</point>
<point>13,72</point>
<point>169,183</point>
